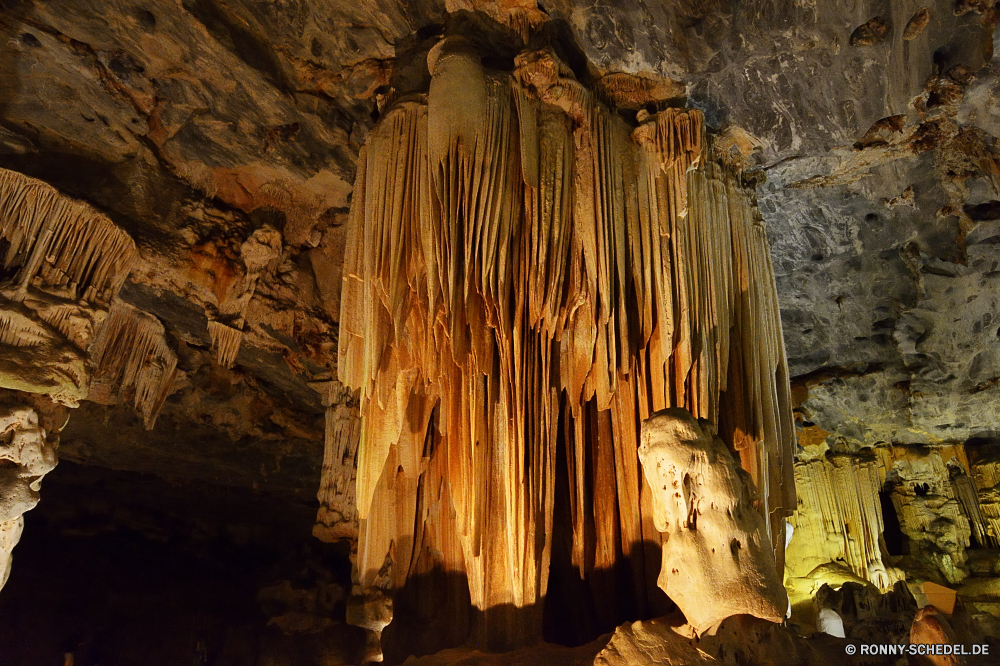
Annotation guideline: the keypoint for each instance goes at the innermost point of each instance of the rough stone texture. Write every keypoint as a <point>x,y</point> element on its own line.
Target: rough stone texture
<point>716,561</point>
<point>930,514</point>
<point>195,124</point>
<point>26,455</point>
<point>738,640</point>
<point>838,518</point>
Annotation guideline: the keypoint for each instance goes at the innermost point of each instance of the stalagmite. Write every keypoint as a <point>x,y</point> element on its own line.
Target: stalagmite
<point>25,457</point>
<point>132,361</point>
<point>717,561</point>
<point>527,278</point>
<point>259,254</point>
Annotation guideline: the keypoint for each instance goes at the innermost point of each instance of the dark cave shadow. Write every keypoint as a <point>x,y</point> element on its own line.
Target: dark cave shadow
<point>433,611</point>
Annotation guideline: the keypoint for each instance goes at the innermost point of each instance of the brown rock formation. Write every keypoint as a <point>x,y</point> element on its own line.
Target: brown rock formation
<point>27,454</point>
<point>511,276</point>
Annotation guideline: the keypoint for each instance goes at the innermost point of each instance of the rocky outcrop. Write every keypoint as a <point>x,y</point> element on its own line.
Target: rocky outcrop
<point>716,560</point>
<point>223,138</point>
<point>930,514</point>
<point>839,518</point>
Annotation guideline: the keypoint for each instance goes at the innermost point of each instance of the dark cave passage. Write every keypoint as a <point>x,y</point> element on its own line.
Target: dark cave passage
<point>120,569</point>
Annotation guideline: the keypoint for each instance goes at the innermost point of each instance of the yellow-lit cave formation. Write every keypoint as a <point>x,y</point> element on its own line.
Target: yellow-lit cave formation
<point>529,276</point>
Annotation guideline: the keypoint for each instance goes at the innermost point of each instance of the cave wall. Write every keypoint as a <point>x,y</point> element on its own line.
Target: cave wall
<point>223,138</point>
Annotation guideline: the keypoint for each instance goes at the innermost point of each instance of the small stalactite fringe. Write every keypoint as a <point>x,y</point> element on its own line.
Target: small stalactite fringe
<point>58,243</point>
<point>131,360</point>
<point>226,342</point>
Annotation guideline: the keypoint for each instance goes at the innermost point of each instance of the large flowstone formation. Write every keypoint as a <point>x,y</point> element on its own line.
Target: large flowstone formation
<point>528,277</point>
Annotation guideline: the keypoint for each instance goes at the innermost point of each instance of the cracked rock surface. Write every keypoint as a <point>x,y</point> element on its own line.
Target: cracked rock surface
<point>194,124</point>
<point>198,126</point>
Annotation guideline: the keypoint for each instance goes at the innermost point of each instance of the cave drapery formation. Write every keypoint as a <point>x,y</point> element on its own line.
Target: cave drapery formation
<point>64,335</point>
<point>544,250</point>
<point>529,276</point>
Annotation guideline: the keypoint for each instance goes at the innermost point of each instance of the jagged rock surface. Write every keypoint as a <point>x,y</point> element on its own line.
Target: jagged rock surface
<point>152,108</point>
<point>27,453</point>
<point>716,560</point>
<point>839,517</point>
<point>930,514</point>
<point>193,125</point>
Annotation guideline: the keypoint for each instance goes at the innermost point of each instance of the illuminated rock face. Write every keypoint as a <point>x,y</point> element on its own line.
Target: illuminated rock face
<point>839,518</point>
<point>528,278</point>
<point>64,336</point>
<point>717,561</point>
<point>930,514</point>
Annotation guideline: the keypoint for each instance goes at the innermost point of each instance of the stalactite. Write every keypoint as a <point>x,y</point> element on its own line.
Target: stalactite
<point>60,244</point>
<point>839,517</point>
<point>259,254</point>
<point>986,474</point>
<point>226,342</point>
<point>964,488</point>
<point>131,360</point>
<point>522,263</point>
<point>17,330</point>
<point>339,478</point>
<point>930,514</point>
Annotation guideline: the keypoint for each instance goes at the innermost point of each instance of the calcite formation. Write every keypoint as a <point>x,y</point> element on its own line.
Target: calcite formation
<point>258,254</point>
<point>61,245</point>
<point>717,560</point>
<point>337,517</point>
<point>527,276</point>
<point>66,262</point>
<point>61,327</point>
<point>986,475</point>
<point>839,517</point>
<point>26,455</point>
<point>132,359</point>
<point>214,129</point>
<point>930,514</point>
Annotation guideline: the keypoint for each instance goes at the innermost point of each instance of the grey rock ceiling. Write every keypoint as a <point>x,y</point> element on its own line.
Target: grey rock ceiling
<point>192,123</point>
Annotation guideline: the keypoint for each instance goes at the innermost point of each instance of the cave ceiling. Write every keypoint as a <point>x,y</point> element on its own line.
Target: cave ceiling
<point>195,124</point>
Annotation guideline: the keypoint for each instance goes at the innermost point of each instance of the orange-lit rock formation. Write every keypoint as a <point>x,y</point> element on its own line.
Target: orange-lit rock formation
<point>529,277</point>
<point>61,327</point>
